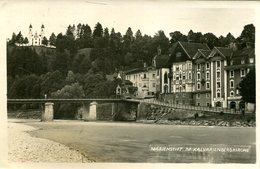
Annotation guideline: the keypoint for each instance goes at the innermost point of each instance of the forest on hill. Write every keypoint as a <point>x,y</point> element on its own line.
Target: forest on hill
<point>77,68</point>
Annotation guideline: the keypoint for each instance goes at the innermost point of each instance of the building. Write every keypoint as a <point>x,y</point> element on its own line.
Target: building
<point>237,67</point>
<point>35,39</point>
<point>202,90</point>
<point>144,79</point>
<point>193,74</point>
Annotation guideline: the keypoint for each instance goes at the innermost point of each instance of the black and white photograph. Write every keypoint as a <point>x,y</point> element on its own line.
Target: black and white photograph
<point>129,82</point>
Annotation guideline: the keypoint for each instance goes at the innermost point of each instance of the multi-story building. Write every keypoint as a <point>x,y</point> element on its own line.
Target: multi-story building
<point>202,89</point>
<point>195,75</point>
<point>177,76</point>
<point>218,60</point>
<point>237,67</point>
<point>144,79</point>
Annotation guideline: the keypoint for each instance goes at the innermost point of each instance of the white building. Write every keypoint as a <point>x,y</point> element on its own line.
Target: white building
<point>35,39</point>
<point>144,79</point>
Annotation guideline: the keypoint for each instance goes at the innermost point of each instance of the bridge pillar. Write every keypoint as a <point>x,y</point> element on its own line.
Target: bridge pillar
<point>93,111</point>
<point>48,112</point>
<point>91,115</point>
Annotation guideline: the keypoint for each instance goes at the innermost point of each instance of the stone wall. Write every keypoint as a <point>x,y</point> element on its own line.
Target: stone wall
<point>156,112</point>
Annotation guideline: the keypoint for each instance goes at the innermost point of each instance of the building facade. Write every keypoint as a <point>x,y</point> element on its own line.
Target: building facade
<point>195,75</point>
<point>35,39</point>
<point>145,79</point>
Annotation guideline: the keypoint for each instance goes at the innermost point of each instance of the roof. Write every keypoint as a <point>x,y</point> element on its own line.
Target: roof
<point>205,53</point>
<point>227,52</point>
<point>247,52</point>
<point>161,60</point>
<point>202,53</point>
<point>136,70</point>
<point>191,48</point>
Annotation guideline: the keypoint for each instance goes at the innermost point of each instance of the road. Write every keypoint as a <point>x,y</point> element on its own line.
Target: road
<point>133,142</point>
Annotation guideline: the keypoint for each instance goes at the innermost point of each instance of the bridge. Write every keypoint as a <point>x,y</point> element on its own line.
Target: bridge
<point>117,106</point>
<point>90,105</point>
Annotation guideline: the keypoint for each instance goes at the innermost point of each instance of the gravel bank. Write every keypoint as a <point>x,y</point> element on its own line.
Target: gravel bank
<point>25,148</point>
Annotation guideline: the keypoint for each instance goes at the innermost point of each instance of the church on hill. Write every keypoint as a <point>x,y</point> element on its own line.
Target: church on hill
<point>35,39</point>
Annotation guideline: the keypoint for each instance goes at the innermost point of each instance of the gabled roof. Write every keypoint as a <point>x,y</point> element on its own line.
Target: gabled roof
<point>202,54</point>
<point>161,61</point>
<point>223,51</point>
<point>191,48</point>
<point>227,52</point>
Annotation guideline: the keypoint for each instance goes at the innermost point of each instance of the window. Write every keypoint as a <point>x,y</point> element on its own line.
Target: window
<point>231,83</point>
<point>158,72</point>
<point>198,86</point>
<point>232,94</point>
<point>242,72</point>
<point>144,76</point>
<point>207,76</point>
<point>198,103</point>
<point>183,77</point>
<point>177,68</point>
<point>153,75</point>
<point>153,84</point>
<point>198,96</point>
<point>242,61</point>
<point>237,91</point>
<point>177,77</point>
<point>207,65</point>
<point>251,60</point>
<point>218,84</point>
<point>218,74</point>
<point>189,75</point>
<point>165,77</point>
<point>218,94</point>
<point>184,95</point>
<point>198,66</point>
<point>183,67</point>
<point>198,76</point>
<point>231,62</point>
<point>207,85</point>
<point>231,73</point>
<point>218,63</point>
<point>208,104</point>
<point>207,95</point>
<point>190,66</point>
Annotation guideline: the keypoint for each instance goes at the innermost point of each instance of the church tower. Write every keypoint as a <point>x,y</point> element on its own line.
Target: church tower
<point>30,36</point>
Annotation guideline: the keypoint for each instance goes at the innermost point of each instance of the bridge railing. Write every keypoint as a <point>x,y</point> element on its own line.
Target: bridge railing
<point>191,107</point>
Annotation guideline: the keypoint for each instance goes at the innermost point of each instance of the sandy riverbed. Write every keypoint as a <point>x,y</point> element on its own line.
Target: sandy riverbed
<point>25,148</point>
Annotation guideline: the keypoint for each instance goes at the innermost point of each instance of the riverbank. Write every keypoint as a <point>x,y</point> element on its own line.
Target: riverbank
<point>25,148</point>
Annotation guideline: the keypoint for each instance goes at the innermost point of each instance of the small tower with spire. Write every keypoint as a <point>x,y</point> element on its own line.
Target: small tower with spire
<point>42,31</point>
<point>30,35</point>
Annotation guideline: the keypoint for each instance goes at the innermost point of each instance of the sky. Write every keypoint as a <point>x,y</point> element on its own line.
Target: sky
<point>149,16</point>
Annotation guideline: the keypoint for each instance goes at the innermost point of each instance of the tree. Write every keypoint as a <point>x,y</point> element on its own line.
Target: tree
<point>211,40</point>
<point>98,31</point>
<point>160,40</point>
<point>73,91</point>
<point>53,39</point>
<point>247,87</point>
<point>25,41</point>
<point>195,37</point>
<point>45,41</point>
<point>248,34</point>
<point>19,38</point>
<point>177,36</point>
